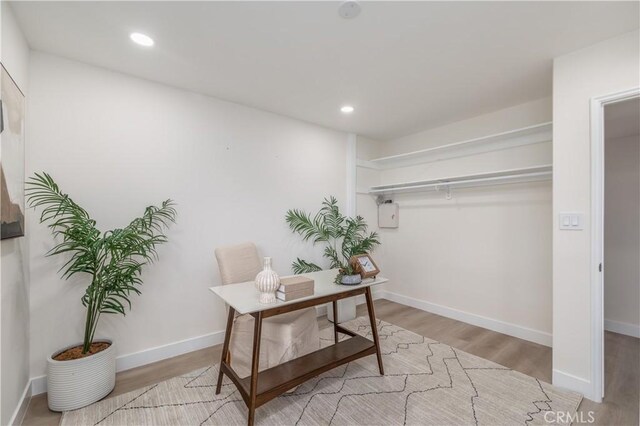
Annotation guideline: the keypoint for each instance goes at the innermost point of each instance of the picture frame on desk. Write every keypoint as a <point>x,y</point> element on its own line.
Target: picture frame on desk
<point>365,265</point>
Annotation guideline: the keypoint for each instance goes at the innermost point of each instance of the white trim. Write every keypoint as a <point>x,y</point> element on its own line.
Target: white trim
<point>38,385</point>
<point>352,197</point>
<point>148,356</point>
<point>510,329</point>
<point>625,328</point>
<point>21,409</point>
<point>571,382</point>
<point>352,173</point>
<point>597,105</point>
<point>538,133</point>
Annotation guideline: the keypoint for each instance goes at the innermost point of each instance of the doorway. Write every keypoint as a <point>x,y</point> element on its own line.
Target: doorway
<point>615,139</point>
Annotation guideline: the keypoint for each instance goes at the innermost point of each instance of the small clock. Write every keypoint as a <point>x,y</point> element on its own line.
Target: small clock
<point>364,264</point>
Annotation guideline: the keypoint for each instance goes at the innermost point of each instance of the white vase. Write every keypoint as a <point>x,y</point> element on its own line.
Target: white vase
<point>77,383</point>
<point>267,283</point>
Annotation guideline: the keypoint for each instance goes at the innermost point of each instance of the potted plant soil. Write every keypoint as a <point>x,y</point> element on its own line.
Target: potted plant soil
<point>85,372</point>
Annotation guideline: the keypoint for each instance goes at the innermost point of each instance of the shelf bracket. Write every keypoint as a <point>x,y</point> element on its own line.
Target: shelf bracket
<point>446,188</point>
<point>381,199</point>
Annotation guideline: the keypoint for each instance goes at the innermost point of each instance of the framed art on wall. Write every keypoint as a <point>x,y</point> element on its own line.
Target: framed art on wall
<point>12,112</point>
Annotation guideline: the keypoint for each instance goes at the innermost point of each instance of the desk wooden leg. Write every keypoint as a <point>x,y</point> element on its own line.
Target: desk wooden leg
<point>225,347</point>
<point>374,328</point>
<point>255,364</point>
<point>335,321</point>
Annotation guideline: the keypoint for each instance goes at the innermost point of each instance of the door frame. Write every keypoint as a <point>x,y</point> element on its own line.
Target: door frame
<point>597,233</point>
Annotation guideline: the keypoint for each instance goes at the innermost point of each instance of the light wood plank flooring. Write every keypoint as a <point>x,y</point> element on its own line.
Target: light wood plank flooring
<point>622,363</point>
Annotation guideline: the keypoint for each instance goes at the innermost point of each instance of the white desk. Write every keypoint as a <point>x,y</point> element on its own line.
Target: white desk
<point>261,387</point>
<point>243,297</point>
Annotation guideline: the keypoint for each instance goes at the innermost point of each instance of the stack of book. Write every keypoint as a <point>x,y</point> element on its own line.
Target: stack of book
<point>294,288</point>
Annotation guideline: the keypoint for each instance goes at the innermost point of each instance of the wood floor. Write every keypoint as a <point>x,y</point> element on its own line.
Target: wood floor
<point>622,363</point>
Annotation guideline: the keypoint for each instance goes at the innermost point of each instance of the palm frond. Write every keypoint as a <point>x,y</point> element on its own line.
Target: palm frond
<point>332,218</point>
<point>334,259</point>
<point>114,259</point>
<point>329,226</point>
<point>302,267</point>
<point>308,228</point>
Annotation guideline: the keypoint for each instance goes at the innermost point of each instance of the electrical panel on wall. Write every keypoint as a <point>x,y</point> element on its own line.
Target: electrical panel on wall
<point>388,215</point>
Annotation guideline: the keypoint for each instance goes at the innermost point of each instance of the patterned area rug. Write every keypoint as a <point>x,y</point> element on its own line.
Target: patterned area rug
<point>426,382</point>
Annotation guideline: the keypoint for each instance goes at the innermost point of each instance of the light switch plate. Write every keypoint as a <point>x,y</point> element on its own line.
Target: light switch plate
<point>571,221</point>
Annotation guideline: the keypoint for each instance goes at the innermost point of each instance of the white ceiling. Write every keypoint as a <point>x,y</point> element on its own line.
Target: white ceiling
<point>405,66</point>
<point>622,119</point>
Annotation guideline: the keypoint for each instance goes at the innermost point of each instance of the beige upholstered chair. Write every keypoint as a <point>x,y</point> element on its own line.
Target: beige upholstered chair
<point>284,337</point>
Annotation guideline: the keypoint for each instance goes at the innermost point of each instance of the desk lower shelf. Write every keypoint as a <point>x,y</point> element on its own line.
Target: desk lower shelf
<point>277,380</point>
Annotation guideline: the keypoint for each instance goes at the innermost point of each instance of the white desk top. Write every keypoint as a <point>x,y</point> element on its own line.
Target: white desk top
<point>243,297</point>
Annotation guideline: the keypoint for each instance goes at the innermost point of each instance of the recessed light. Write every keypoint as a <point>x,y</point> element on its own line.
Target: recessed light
<point>349,9</point>
<point>141,39</point>
<point>347,109</point>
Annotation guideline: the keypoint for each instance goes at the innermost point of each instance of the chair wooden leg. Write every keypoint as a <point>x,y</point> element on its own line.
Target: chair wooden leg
<point>335,321</point>
<point>225,347</point>
<point>255,365</point>
<point>374,328</point>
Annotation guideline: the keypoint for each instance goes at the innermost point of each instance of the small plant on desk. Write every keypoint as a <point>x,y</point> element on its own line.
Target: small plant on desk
<point>344,237</point>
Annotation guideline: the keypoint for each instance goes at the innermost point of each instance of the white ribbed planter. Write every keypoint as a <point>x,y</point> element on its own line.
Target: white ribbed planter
<point>77,383</point>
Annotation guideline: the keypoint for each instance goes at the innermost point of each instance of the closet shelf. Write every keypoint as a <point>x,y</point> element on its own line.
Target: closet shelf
<point>525,136</point>
<point>501,177</point>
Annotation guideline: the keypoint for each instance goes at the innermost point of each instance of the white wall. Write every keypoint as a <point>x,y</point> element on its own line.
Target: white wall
<point>366,206</point>
<point>117,144</point>
<point>367,149</point>
<point>622,234</point>
<point>14,292</point>
<point>515,117</point>
<point>485,255</point>
<point>15,50</point>
<point>607,67</point>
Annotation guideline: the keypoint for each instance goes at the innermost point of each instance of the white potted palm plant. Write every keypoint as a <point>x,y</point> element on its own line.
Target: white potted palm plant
<point>84,373</point>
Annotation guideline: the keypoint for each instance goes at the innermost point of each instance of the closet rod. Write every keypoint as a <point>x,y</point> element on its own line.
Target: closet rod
<point>497,180</point>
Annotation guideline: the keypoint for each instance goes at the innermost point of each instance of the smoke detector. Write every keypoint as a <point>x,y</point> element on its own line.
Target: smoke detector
<point>349,9</point>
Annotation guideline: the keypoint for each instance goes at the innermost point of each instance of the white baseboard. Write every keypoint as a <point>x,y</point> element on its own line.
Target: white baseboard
<point>571,382</point>
<point>622,328</point>
<point>23,404</point>
<point>151,355</point>
<point>38,385</point>
<point>321,310</point>
<point>148,356</point>
<point>514,330</point>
